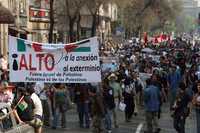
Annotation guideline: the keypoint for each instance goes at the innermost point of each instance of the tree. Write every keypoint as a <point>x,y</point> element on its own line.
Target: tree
<point>94,7</point>
<point>145,15</point>
<point>73,8</point>
<point>51,21</point>
<point>68,14</point>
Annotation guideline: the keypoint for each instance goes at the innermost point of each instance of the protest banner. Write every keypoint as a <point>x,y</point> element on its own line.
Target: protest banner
<point>54,63</point>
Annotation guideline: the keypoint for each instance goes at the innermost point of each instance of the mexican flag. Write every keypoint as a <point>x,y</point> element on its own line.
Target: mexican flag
<point>23,105</point>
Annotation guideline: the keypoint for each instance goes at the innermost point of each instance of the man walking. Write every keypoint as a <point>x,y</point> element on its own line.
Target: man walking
<point>181,108</point>
<point>152,102</point>
<point>41,91</point>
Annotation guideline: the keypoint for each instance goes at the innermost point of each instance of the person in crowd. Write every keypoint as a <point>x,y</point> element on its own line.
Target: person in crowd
<point>152,103</point>
<point>192,79</point>
<point>155,79</point>
<point>3,63</point>
<point>82,101</point>
<point>139,87</point>
<point>37,122</point>
<point>128,94</point>
<point>174,78</point>
<point>181,108</point>
<point>41,90</point>
<point>60,105</point>
<point>109,102</point>
<point>50,94</point>
<point>196,103</point>
<point>23,106</point>
<point>97,113</point>
<point>6,94</point>
<point>117,90</point>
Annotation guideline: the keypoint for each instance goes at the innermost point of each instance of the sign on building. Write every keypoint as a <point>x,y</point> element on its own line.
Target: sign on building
<point>54,63</point>
<point>38,15</point>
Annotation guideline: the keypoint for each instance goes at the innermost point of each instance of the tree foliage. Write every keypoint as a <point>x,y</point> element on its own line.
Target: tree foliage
<point>147,15</point>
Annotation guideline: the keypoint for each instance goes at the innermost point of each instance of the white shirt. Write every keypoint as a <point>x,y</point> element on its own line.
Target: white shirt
<point>38,104</point>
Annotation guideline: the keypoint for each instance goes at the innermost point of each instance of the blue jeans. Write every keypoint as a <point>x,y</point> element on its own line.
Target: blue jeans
<point>108,120</point>
<point>83,111</point>
<point>198,120</point>
<point>56,117</point>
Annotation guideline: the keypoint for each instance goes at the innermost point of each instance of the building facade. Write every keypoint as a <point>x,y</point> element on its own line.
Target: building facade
<point>106,14</point>
<point>31,22</point>
<point>191,7</point>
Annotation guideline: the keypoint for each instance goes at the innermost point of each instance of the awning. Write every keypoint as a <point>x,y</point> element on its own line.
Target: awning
<point>22,30</point>
<point>6,16</point>
<point>18,30</point>
<point>28,30</point>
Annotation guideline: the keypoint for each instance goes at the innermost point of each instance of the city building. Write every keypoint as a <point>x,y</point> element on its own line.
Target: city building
<point>191,7</point>
<point>107,13</point>
<point>31,21</point>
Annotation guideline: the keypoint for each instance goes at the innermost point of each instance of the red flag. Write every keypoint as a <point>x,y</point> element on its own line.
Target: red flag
<point>163,37</point>
<point>145,38</point>
<point>156,40</point>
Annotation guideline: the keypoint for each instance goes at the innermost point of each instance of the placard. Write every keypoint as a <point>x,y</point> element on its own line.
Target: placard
<point>54,63</point>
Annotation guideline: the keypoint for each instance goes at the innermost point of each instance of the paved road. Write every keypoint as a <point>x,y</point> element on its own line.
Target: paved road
<point>165,123</point>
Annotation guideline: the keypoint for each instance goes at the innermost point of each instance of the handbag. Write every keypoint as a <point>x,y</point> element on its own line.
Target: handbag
<point>122,106</point>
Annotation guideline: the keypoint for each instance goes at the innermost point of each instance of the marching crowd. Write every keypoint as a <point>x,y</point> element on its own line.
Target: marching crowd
<point>136,81</point>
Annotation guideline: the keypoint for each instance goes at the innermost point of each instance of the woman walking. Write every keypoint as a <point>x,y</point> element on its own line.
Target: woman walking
<point>60,105</point>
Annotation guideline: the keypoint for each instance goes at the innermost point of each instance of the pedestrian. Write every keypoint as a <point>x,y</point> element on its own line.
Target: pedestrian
<point>98,113</point>
<point>3,63</point>
<point>109,102</point>
<point>37,122</point>
<point>23,106</point>
<point>152,103</point>
<point>155,79</point>
<point>117,90</point>
<point>60,105</point>
<point>174,78</point>
<point>6,95</point>
<point>82,100</point>
<point>139,87</point>
<point>181,108</point>
<point>196,103</point>
<point>41,90</point>
<point>128,95</point>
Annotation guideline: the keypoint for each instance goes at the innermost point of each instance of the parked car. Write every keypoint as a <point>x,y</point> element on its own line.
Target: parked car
<point>8,122</point>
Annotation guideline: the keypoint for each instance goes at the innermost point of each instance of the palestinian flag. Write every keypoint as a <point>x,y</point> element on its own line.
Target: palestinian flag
<point>80,46</point>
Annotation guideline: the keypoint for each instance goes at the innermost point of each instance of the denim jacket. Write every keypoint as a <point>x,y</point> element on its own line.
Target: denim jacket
<point>152,98</point>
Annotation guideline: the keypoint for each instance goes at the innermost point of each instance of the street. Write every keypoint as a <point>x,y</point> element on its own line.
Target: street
<point>136,126</point>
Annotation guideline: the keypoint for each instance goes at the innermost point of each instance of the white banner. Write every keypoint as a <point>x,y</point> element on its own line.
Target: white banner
<point>54,63</point>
